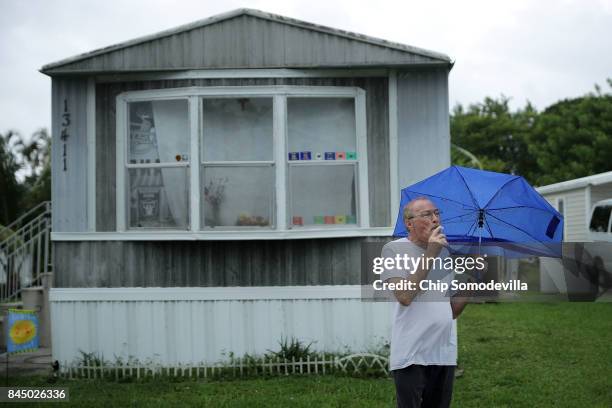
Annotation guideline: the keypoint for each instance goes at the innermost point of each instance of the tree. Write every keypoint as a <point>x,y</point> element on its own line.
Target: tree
<point>573,138</point>
<point>39,188</point>
<point>496,136</point>
<point>33,154</point>
<point>569,139</point>
<point>31,159</point>
<point>11,192</point>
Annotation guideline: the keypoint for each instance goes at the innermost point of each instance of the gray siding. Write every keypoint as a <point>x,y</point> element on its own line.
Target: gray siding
<point>377,111</point>
<point>574,217</point>
<point>69,187</point>
<point>601,192</point>
<point>423,124</point>
<point>208,263</point>
<point>248,41</point>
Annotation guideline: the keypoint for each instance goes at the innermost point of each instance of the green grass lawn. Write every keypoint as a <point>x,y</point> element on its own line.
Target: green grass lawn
<point>522,355</point>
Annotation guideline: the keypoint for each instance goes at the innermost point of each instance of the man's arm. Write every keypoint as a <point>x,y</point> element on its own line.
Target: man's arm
<point>460,300</point>
<point>458,303</point>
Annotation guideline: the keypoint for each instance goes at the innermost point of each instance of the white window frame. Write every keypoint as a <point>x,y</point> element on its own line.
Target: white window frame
<point>279,94</point>
<point>561,199</point>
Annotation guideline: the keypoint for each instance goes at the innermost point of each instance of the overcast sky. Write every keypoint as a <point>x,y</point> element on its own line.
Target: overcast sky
<point>538,50</point>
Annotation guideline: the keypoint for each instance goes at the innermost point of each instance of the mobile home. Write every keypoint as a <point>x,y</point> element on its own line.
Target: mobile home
<point>213,183</point>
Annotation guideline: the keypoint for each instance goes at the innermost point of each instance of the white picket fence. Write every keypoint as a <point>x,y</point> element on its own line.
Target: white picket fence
<point>353,364</point>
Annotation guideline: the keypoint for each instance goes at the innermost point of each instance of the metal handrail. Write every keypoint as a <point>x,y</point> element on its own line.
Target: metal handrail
<point>22,232</point>
<point>45,204</point>
<point>25,254</point>
<point>27,233</point>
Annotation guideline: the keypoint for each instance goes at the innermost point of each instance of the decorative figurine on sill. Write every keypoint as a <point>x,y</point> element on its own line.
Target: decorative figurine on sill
<point>245,219</point>
<point>214,194</point>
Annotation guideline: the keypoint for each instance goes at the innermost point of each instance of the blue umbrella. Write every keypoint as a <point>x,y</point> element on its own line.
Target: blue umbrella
<point>490,209</point>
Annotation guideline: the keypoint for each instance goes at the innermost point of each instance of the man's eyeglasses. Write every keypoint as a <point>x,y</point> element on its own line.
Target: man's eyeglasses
<point>428,214</point>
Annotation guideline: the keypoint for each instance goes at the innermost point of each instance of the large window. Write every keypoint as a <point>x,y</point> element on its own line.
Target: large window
<point>267,159</point>
<point>157,164</point>
<point>237,162</point>
<point>322,145</point>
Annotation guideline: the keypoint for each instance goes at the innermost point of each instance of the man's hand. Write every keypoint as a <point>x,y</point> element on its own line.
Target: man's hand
<point>484,270</point>
<point>480,273</point>
<point>437,240</point>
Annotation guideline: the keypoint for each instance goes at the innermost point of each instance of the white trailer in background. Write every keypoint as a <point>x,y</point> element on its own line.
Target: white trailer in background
<point>578,201</point>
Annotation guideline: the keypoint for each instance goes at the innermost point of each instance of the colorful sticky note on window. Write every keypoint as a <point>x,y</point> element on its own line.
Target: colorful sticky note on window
<point>340,155</point>
<point>351,155</point>
<point>351,219</point>
<point>340,219</point>
<point>330,155</point>
<point>318,156</point>
<point>329,219</point>
<point>319,219</point>
<point>294,156</point>
<point>305,155</point>
<point>298,220</point>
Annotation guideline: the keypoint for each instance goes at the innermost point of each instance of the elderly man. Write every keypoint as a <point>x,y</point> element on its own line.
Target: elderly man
<point>424,331</point>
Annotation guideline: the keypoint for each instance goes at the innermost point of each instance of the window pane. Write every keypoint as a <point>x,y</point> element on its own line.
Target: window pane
<point>158,198</point>
<point>237,129</point>
<point>601,217</point>
<point>159,132</point>
<point>320,126</point>
<point>322,195</point>
<point>238,196</point>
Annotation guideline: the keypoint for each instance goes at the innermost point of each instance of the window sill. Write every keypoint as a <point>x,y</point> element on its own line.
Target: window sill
<point>309,233</point>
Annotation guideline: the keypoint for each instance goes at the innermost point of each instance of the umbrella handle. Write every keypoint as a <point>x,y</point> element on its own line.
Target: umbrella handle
<point>481,216</point>
<point>479,243</point>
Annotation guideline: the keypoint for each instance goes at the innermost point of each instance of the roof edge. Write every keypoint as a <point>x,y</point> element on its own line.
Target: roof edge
<point>594,180</point>
<point>254,13</point>
<point>349,34</point>
<point>149,37</point>
<point>357,67</point>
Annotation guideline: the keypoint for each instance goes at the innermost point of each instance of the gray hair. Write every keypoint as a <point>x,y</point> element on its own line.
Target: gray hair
<point>408,207</point>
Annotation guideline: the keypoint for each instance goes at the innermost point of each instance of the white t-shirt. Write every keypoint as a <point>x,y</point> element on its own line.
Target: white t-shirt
<point>423,332</point>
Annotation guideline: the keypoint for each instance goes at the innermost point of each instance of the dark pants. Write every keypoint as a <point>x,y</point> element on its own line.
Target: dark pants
<point>424,386</point>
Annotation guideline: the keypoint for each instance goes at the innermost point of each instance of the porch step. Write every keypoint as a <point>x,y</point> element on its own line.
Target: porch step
<point>4,307</point>
<point>33,288</point>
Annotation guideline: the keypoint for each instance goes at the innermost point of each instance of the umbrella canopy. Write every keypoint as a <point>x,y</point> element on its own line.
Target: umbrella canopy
<point>488,207</point>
